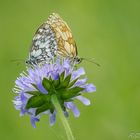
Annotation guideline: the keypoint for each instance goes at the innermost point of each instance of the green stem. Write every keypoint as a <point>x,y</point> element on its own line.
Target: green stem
<point>62,118</point>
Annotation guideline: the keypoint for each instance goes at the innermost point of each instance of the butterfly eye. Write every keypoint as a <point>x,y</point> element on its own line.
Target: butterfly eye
<point>27,62</point>
<point>77,60</point>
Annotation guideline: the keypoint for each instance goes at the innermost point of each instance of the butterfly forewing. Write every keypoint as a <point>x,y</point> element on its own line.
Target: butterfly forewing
<point>44,45</point>
<point>66,44</point>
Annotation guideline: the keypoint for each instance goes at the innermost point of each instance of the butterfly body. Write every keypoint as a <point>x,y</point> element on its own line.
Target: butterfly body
<point>53,39</point>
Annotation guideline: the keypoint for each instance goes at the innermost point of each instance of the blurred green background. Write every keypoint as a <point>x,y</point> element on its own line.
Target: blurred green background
<point>108,30</point>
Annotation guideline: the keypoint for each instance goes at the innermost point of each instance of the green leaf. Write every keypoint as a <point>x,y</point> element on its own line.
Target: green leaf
<point>72,83</point>
<point>46,84</point>
<point>42,108</point>
<point>52,108</point>
<point>50,79</point>
<point>61,91</point>
<point>56,83</point>
<point>61,77</point>
<point>75,89</point>
<point>33,92</point>
<point>67,97</point>
<point>47,98</point>
<point>66,81</point>
<point>35,101</point>
<point>72,93</point>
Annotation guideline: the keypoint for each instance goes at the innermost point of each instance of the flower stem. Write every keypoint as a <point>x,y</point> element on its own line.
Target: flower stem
<point>62,118</point>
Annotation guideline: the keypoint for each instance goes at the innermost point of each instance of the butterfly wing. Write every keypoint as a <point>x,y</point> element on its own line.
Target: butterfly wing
<point>44,45</point>
<point>66,43</point>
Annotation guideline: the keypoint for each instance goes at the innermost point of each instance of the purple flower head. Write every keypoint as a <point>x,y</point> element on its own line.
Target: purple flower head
<point>35,88</point>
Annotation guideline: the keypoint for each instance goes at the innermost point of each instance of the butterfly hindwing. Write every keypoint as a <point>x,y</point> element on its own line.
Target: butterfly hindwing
<point>44,44</point>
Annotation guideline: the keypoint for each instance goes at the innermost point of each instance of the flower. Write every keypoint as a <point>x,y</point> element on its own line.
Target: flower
<point>36,87</point>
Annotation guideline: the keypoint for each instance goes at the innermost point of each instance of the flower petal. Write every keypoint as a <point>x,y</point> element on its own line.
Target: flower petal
<point>66,64</point>
<point>41,88</point>
<point>80,82</point>
<point>33,121</point>
<point>89,88</point>
<point>22,112</point>
<point>74,109</point>
<point>84,100</point>
<point>55,75</point>
<point>52,118</point>
<point>17,104</point>
<point>78,73</point>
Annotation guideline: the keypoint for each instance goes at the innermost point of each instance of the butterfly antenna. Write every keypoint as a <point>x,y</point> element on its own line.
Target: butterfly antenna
<point>91,60</point>
<point>18,61</point>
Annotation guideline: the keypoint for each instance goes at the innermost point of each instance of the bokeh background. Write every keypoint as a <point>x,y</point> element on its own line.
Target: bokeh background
<point>109,31</point>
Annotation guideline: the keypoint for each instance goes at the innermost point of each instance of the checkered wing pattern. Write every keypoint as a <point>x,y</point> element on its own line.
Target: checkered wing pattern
<point>66,44</point>
<point>44,45</point>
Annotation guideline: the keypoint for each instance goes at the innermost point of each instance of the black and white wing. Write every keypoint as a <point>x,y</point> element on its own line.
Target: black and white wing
<point>44,45</point>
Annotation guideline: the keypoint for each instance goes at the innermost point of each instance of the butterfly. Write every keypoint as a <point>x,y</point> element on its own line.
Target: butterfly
<point>53,39</point>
